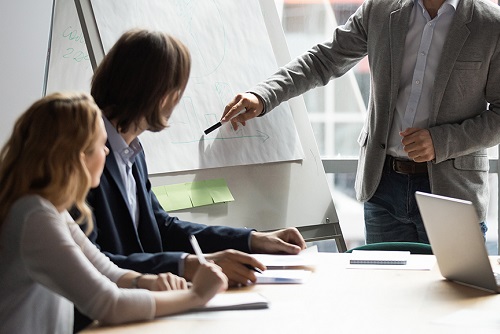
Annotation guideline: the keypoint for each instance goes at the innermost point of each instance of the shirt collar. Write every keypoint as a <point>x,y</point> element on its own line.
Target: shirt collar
<point>118,144</point>
<point>452,3</point>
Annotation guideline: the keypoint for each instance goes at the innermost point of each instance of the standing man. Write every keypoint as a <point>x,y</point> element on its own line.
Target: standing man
<point>434,104</point>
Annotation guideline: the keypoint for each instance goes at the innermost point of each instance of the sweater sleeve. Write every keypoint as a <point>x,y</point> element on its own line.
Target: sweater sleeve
<point>100,261</point>
<point>55,260</point>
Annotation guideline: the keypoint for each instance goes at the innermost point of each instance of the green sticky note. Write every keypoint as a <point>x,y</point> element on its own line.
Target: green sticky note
<point>161,195</point>
<point>177,197</point>
<point>187,195</point>
<point>199,193</point>
<point>219,190</point>
<point>159,190</point>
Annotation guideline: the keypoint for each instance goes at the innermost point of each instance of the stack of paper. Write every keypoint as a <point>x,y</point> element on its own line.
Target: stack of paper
<point>306,259</point>
<point>284,276</point>
<point>235,301</point>
<point>287,269</point>
<point>393,260</point>
<point>379,257</point>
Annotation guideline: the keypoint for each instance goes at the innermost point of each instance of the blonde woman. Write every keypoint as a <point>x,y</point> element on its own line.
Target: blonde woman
<point>55,154</point>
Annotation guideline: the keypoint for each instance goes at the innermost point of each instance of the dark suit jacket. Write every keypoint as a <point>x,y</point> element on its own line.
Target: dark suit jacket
<point>160,239</point>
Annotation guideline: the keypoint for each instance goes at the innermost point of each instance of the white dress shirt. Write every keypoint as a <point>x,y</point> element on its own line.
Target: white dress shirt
<point>125,158</point>
<point>423,48</point>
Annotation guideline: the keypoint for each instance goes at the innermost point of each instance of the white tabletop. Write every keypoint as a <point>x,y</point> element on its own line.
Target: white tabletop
<point>340,300</point>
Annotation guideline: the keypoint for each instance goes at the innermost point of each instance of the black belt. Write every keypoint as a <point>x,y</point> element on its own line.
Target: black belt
<point>403,166</point>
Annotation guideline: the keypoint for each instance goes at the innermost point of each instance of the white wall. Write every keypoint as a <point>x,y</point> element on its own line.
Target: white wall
<point>24,35</point>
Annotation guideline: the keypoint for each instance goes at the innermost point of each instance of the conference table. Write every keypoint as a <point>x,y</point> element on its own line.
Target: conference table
<point>339,299</point>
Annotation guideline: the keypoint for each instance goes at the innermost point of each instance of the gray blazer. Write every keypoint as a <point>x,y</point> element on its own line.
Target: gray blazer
<point>465,117</point>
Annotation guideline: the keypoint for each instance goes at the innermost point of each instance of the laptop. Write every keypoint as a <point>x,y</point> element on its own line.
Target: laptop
<point>453,229</point>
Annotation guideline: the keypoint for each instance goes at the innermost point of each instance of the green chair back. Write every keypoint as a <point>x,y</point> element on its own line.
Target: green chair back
<point>412,247</point>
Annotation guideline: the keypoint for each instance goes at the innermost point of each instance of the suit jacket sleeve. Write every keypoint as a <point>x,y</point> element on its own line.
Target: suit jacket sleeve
<point>317,66</point>
<point>160,241</point>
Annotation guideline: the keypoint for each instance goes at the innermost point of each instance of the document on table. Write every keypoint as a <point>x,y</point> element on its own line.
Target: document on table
<point>306,259</point>
<point>283,276</point>
<point>379,257</point>
<point>235,301</point>
<point>389,260</point>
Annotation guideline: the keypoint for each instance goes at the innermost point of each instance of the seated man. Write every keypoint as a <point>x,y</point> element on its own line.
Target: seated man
<point>131,227</point>
<point>137,85</point>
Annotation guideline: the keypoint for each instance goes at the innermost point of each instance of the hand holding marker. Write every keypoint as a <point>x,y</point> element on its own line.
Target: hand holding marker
<point>219,123</point>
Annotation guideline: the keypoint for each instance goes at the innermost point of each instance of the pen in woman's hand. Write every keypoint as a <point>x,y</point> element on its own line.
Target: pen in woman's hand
<point>197,249</point>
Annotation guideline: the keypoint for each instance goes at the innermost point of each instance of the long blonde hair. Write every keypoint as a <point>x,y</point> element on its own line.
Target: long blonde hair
<point>44,153</point>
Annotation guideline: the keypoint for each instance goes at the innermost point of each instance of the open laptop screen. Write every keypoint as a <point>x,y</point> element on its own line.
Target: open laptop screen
<point>456,239</point>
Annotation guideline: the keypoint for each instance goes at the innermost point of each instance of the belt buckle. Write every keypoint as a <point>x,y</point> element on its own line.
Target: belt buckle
<point>393,165</point>
<point>398,169</point>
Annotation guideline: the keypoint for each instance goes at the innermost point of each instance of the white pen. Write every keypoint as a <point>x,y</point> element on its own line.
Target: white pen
<point>197,249</point>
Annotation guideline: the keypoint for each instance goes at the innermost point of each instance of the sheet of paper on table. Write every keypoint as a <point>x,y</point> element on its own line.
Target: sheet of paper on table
<point>235,301</point>
<point>283,276</point>
<point>306,259</point>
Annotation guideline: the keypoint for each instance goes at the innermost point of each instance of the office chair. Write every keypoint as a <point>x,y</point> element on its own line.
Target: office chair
<point>412,247</point>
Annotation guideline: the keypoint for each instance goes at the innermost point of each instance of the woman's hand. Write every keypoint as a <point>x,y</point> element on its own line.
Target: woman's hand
<point>208,281</point>
<point>162,282</point>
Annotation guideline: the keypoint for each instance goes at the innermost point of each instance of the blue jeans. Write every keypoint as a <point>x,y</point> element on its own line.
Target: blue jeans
<point>392,213</point>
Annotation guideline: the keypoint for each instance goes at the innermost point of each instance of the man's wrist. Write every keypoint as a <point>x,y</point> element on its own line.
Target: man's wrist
<point>264,111</point>
<point>181,264</point>
<point>190,265</point>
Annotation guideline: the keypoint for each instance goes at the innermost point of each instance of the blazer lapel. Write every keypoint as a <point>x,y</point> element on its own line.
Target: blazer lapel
<point>455,40</point>
<point>111,167</point>
<point>149,234</point>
